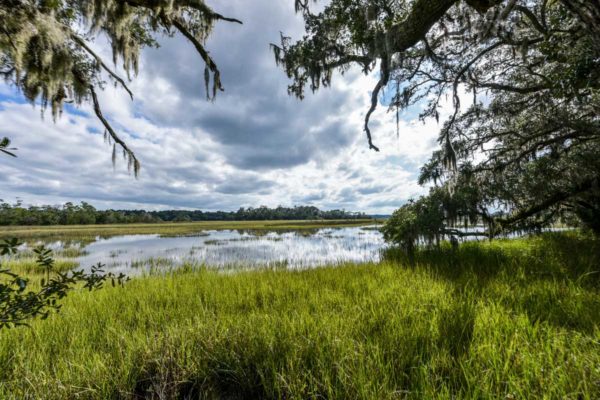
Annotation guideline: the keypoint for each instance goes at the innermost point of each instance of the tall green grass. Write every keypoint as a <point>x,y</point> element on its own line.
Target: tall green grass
<point>512,319</point>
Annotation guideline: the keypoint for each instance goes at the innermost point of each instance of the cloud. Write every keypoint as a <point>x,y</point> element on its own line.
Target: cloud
<point>254,145</point>
<point>245,183</point>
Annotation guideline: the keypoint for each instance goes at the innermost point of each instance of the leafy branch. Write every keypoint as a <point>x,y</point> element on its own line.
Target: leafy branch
<point>4,147</point>
<point>18,305</point>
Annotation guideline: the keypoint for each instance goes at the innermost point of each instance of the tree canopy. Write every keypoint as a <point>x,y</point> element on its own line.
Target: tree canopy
<point>46,48</point>
<point>525,149</point>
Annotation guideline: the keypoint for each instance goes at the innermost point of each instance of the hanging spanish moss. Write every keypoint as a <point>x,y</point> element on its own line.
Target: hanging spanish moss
<point>524,153</point>
<point>45,48</point>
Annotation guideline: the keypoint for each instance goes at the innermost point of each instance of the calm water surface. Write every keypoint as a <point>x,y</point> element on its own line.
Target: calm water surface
<point>236,249</point>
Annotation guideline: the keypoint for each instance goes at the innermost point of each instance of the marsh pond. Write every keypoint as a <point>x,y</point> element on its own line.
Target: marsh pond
<point>230,249</point>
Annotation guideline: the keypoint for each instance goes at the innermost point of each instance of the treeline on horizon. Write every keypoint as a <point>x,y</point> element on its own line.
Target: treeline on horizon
<point>85,214</point>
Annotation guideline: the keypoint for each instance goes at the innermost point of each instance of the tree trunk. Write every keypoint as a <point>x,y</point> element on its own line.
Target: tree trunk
<point>423,15</point>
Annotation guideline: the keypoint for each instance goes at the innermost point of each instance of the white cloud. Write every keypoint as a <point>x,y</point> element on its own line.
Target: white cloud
<point>254,146</point>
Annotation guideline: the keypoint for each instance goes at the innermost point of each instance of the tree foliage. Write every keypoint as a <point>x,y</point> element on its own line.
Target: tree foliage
<point>46,48</point>
<point>526,147</point>
<point>4,147</point>
<point>431,218</point>
<point>85,213</point>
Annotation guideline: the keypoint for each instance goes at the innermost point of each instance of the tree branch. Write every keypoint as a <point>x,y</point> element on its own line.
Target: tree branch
<point>385,76</point>
<point>100,62</point>
<point>131,156</point>
<point>556,198</point>
<point>195,4</point>
<point>210,64</point>
<point>531,16</point>
<point>422,16</point>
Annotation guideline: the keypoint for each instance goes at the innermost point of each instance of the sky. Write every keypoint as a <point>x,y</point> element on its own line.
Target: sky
<point>255,145</point>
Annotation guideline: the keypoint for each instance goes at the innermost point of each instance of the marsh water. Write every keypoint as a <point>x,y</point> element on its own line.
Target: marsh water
<point>229,249</point>
<point>236,249</point>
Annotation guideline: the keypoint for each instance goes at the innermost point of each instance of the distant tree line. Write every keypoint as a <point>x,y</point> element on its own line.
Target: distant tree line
<point>84,213</point>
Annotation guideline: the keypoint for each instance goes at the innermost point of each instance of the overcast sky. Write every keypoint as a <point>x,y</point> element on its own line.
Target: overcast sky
<point>254,146</point>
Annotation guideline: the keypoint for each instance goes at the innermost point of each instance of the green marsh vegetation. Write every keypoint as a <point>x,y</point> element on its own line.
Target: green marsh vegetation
<point>88,232</point>
<point>25,261</point>
<point>512,318</point>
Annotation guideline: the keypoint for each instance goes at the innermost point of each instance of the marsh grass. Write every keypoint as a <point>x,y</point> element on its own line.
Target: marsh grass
<point>70,252</point>
<point>24,262</point>
<point>63,252</point>
<point>514,319</point>
<point>154,263</point>
<point>215,242</point>
<point>88,233</point>
<point>29,266</point>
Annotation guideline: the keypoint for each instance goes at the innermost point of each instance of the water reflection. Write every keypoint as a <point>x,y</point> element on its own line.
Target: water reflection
<point>236,249</point>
